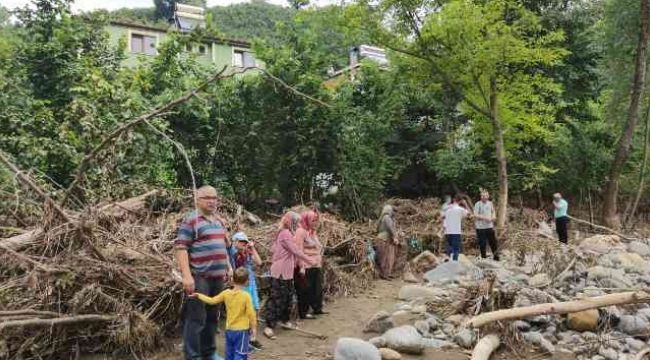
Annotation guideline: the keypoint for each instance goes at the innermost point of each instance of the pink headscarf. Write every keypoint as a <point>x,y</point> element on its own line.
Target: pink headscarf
<point>308,221</point>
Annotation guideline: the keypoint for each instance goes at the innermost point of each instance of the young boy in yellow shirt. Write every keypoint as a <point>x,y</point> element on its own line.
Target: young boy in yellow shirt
<point>241,321</point>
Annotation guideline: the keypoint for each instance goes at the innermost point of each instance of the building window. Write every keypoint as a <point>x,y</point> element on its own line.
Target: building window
<point>203,49</point>
<point>188,47</point>
<point>143,44</point>
<point>242,58</point>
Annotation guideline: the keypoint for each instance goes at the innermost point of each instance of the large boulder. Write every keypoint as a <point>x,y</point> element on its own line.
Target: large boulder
<point>466,338</point>
<point>449,272</point>
<point>412,292</point>
<point>584,320</point>
<point>405,339</point>
<point>379,323</point>
<point>601,244</point>
<point>538,339</point>
<point>355,349</point>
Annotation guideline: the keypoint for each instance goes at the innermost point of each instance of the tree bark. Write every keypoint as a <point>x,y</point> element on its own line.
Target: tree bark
<point>644,165</point>
<point>633,297</point>
<point>610,216</point>
<point>502,164</point>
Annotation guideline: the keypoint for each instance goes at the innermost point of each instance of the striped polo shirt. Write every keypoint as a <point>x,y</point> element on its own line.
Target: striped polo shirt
<point>205,241</point>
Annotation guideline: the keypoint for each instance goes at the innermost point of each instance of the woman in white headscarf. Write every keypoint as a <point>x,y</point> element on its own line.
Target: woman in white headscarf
<point>388,241</point>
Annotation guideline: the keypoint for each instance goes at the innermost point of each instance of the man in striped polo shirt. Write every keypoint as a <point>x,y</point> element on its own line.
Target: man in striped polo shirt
<point>202,257</point>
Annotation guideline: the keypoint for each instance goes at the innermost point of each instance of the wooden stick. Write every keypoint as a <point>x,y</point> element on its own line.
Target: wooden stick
<point>622,236</point>
<point>61,321</point>
<point>485,347</point>
<point>560,307</point>
<point>310,333</point>
<point>35,263</point>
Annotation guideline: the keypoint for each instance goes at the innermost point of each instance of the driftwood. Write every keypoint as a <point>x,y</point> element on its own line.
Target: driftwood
<point>566,307</point>
<point>604,228</point>
<point>485,347</point>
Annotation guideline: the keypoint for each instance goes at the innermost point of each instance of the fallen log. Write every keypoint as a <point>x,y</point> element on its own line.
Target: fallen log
<point>566,307</point>
<point>585,222</point>
<point>60,321</point>
<point>485,347</point>
<point>28,312</point>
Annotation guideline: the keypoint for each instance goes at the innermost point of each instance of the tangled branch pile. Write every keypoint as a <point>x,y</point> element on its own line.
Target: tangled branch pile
<point>105,280</point>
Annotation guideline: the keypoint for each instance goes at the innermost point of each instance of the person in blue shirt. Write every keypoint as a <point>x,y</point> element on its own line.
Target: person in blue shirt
<point>561,208</point>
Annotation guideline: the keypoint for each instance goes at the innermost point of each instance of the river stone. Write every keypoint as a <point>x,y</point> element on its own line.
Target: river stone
<point>423,327</point>
<point>617,276</point>
<point>389,354</point>
<point>608,353</point>
<point>644,313</point>
<point>379,323</point>
<point>633,325</point>
<point>521,325</point>
<point>584,320</point>
<point>434,322</point>
<point>465,338</point>
<point>378,341</point>
<point>405,339</point>
<point>634,344</point>
<point>355,349</point>
<point>639,247</point>
<point>448,272</point>
<point>538,339</point>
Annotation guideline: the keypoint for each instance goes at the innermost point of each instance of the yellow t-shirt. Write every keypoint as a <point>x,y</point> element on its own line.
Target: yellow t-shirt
<point>239,308</point>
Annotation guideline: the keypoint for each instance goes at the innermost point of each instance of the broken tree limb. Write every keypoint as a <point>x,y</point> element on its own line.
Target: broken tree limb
<point>85,162</point>
<point>612,231</point>
<point>566,307</point>
<point>28,312</point>
<point>32,185</point>
<point>485,347</point>
<point>60,321</point>
<point>27,259</point>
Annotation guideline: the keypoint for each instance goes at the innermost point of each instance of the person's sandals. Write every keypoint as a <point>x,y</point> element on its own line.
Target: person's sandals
<point>269,334</point>
<point>287,326</point>
<point>256,345</point>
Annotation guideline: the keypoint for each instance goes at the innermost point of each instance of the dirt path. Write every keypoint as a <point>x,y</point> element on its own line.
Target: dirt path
<point>346,317</point>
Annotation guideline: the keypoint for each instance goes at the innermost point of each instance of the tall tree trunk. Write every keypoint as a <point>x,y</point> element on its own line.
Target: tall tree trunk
<point>502,166</point>
<point>644,165</point>
<point>610,217</point>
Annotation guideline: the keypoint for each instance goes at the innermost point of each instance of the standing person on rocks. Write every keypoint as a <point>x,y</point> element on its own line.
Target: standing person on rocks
<point>560,213</point>
<point>309,279</point>
<point>285,256</point>
<point>453,224</point>
<point>485,215</point>
<point>202,258</point>
<point>389,241</point>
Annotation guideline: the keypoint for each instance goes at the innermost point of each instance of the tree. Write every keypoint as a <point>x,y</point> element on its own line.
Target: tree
<point>491,54</point>
<point>610,194</point>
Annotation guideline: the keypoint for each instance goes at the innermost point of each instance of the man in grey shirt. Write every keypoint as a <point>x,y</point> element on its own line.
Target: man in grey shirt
<point>485,215</point>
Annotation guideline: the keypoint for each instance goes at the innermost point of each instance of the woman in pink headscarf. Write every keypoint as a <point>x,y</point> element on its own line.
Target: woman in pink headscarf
<point>309,278</point>
<point>285,256</point>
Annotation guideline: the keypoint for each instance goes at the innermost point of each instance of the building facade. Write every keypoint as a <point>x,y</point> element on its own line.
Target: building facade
<point>142,42</point>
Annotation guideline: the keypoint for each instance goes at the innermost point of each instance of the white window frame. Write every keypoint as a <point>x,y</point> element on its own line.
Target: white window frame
<point>232,56</point>
<point>143,33</point>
